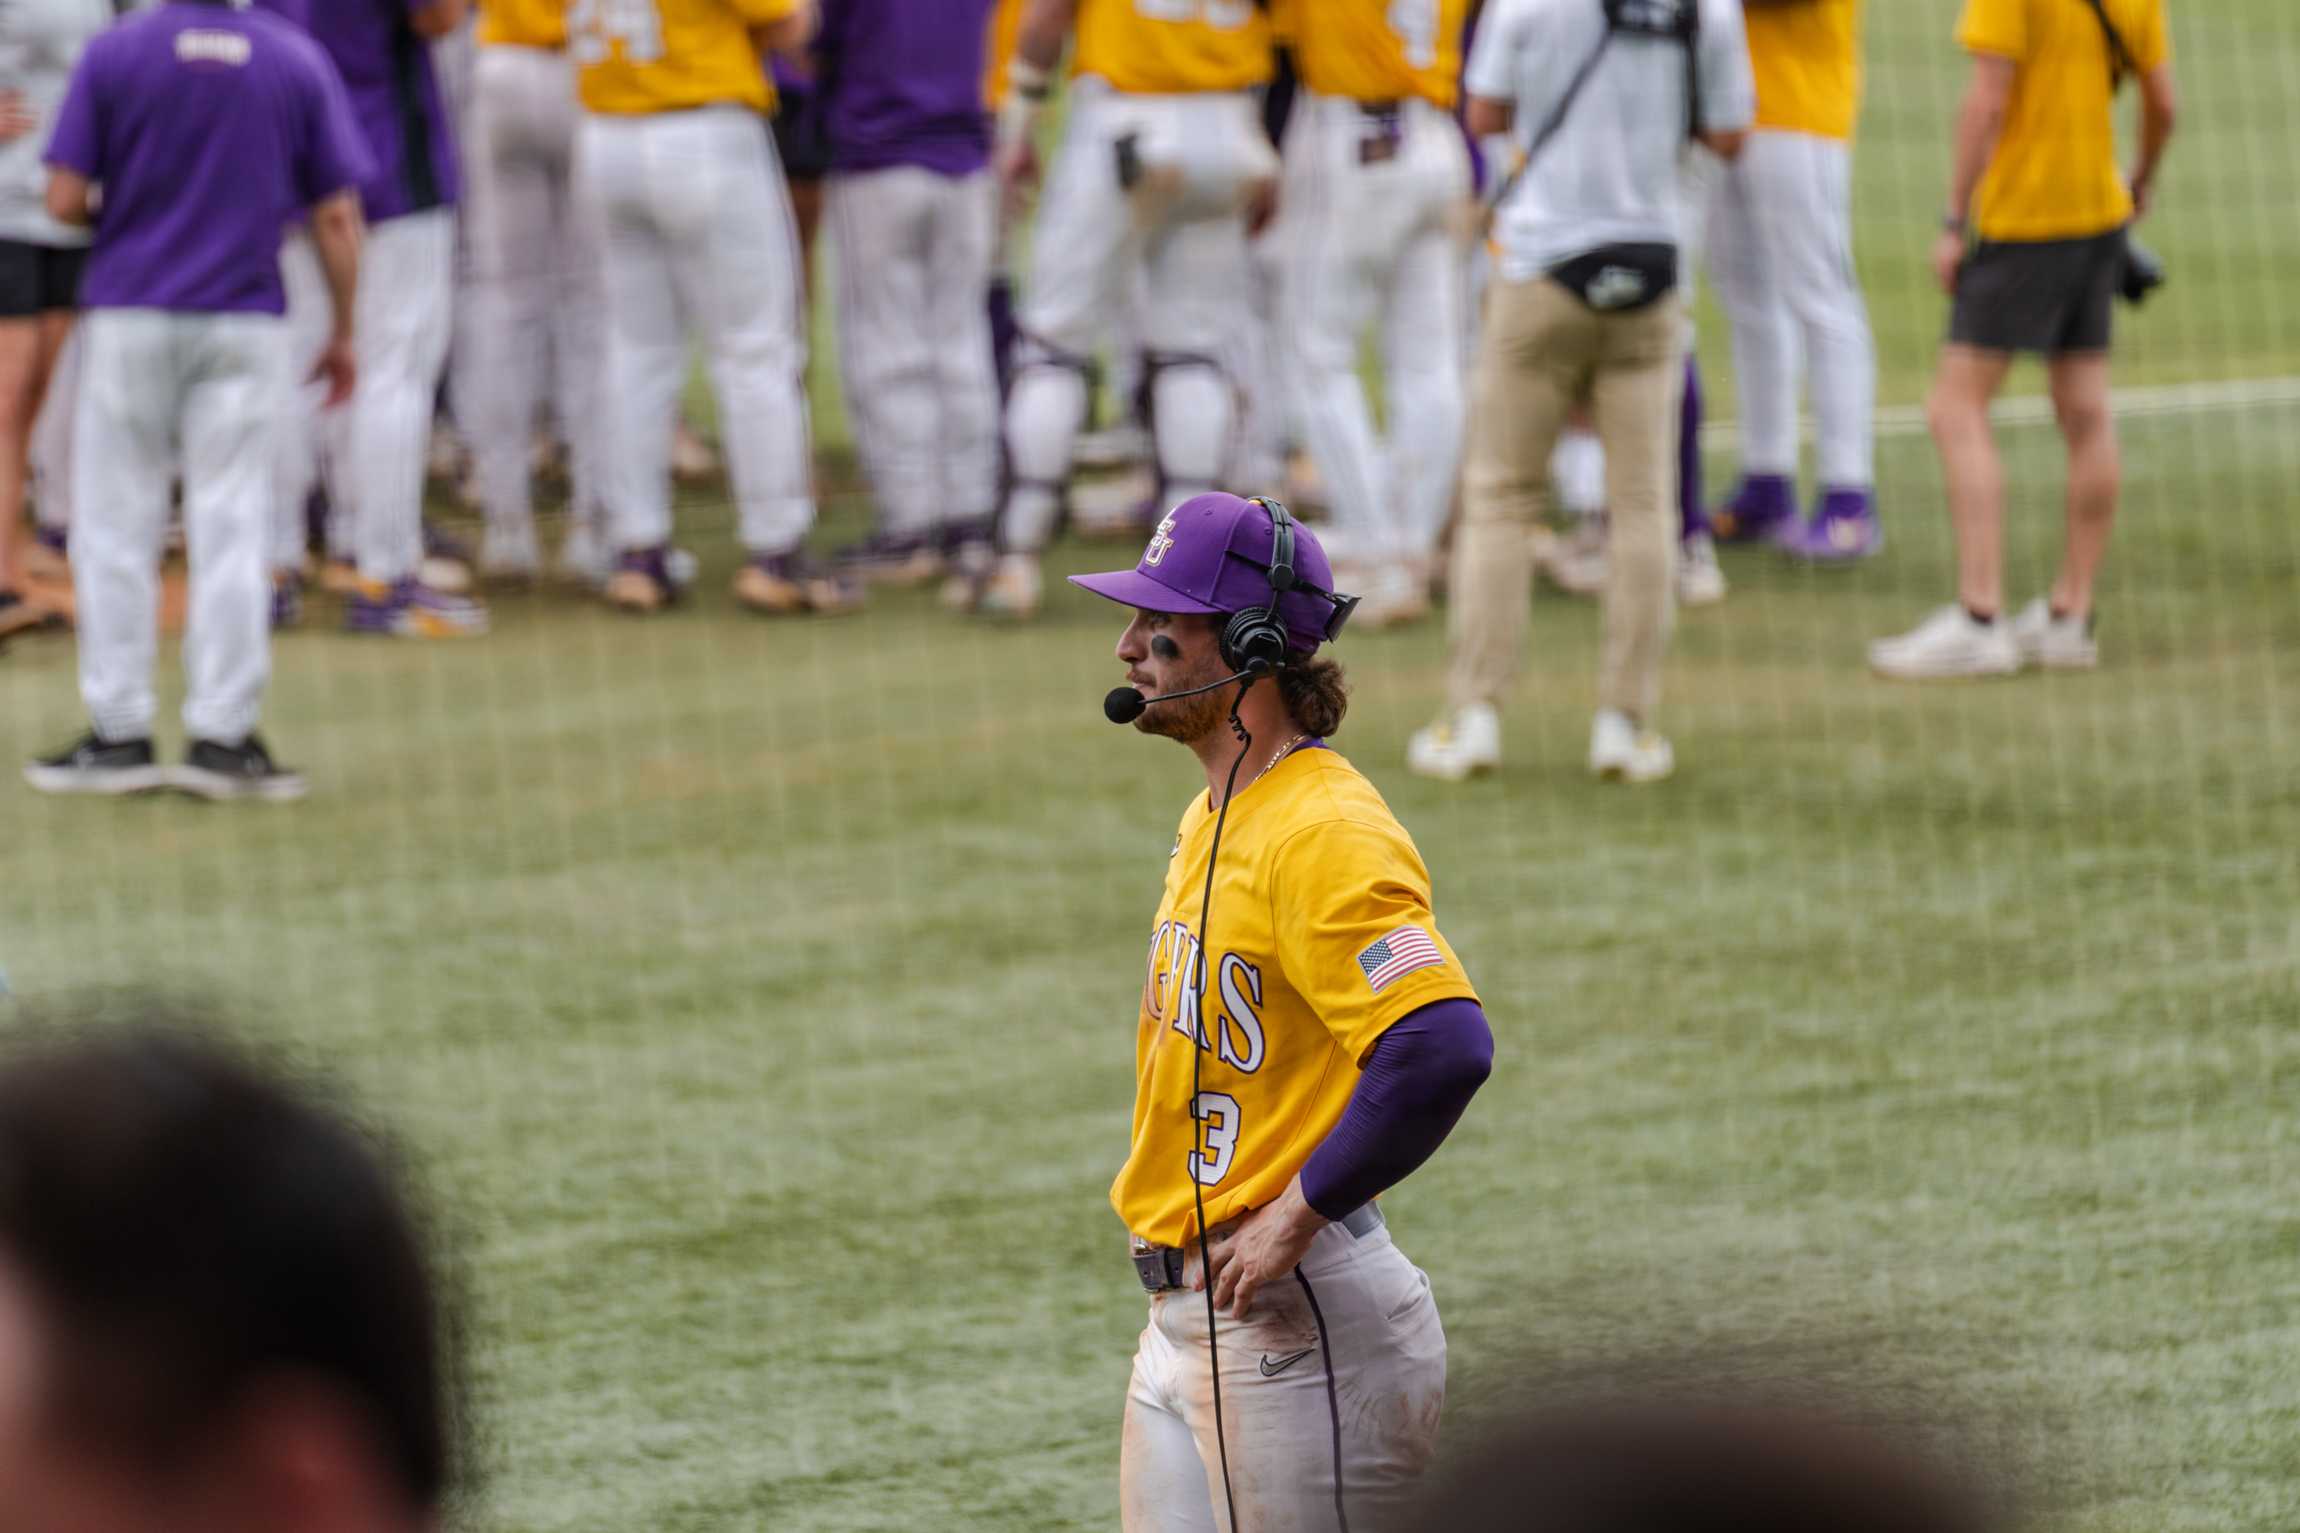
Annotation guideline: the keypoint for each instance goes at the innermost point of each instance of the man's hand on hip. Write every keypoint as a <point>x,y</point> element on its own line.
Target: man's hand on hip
<point>1260,1248</point>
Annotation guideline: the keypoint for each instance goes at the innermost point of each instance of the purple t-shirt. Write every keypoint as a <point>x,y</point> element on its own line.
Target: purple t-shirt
<point>902,84</point>
<point>395,95</point>
<point>209,129</point>
<point>297,11</point>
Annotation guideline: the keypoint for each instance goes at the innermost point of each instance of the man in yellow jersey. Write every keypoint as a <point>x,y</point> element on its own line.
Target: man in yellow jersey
<point>700,241</point>
<point>1162,160</point>
<point>1781,254</point>
<point>2034,175</point>
<point>536,271</point>
<point>1376,188</point>
<point>1303,1044</point>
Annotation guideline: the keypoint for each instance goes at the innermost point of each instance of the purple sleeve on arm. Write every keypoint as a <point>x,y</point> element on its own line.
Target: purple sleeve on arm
<point>77,143</point>
<point>335,157</point>
<point>1416,1083</point>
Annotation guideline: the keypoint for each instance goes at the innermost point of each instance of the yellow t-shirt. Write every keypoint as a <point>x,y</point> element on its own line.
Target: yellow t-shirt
<point>639,57</point>
<point>523,23</point>
<point>1005,32</point>
<point>1807,61</point>
<point>1376,50</point>
<point>2054,175</point>
<point>1173,47</point>
<point>1322,926</point>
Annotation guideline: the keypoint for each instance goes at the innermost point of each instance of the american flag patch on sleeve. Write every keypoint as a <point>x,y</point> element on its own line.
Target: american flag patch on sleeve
<point>1398,954</point>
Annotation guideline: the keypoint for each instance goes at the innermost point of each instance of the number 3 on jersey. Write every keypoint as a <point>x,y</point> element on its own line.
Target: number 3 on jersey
<point>1219,1114</point>
<point>595,26</point>
<point>1228,15</point>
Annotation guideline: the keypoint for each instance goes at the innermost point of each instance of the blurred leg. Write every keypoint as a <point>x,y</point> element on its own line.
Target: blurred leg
<point>228,487</point>
<point>2095,474</point>
<point>1958,410</point>
<point>1636,401</point>
<point>123,457</point>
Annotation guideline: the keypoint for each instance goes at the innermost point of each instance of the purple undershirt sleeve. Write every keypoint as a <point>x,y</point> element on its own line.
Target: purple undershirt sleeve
<point>1415,1084</point>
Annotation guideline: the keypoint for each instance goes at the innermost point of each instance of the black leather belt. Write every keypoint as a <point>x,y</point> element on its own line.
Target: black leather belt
<point>1160,1267</point>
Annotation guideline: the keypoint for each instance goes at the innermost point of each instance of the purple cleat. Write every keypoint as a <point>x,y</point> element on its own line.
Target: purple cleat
<point>409,609</point>
<point>1763,510</point>
<point>1844,530</point>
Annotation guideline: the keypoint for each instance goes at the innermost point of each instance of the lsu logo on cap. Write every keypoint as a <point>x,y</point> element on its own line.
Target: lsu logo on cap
<point>1161,542</point>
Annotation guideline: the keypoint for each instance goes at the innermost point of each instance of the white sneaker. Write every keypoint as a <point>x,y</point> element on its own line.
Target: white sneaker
<point>1621,752</point>
<point>2056,643</point>
<point>1463,744</point>
<point>584,557</point>
<point>1700,579</point>
<point>1013,589</point>
<point>1948,645</point>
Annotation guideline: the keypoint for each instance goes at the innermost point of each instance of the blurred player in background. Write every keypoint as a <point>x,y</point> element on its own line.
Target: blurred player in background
<point>1586,305</point>
<point>914,213</point>
<point>1781,254</point>
<point>202,128</point>
<point>407,308</point>
<point>701,241</point>
<point>217,1314</point>
<point>1377,192</point>
<point>2034,174</point>
<point>1162,168</point>
<point>1302,1047</point>
<point>536,313</point>
<point>40,258</point>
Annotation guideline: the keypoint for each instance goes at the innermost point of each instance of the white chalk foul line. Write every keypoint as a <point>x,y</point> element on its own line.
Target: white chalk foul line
<point>2036,409</point>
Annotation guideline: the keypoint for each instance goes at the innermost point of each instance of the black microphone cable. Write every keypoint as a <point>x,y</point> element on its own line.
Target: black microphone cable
<point>1201,1028</point>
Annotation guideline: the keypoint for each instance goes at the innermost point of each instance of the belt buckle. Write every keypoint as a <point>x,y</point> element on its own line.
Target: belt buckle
<point>1158,1268</point>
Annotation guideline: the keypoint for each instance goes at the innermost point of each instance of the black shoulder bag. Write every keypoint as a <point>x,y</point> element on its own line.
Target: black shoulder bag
<point>2139,272</point>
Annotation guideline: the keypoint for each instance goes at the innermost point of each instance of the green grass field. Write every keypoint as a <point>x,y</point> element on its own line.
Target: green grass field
<point>759,996</point>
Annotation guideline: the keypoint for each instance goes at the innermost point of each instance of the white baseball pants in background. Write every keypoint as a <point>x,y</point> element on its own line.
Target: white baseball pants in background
<point>914,250</point>
<point>700,240</point>
<point>537,307</point>
<point>1374,239</point>
<point>1373,1318</point>
<point>403,315</point>
<point>51,460</point>
<point>156,386</point>
<point>1181,229</point>
<point>1781,254</point>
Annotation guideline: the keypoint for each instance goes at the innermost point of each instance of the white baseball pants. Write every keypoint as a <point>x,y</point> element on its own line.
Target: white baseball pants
<point>51,458</point>
<point>537,307</point>
<point>700,239</point>
<point>1357,1305</point>
<point>307,433</point>
<point>381,443</point>
<point>1781,254</point>
<point>155,386</point>
<point>915,251</point>
<point>1180,230</point>
<point>1375,234</point>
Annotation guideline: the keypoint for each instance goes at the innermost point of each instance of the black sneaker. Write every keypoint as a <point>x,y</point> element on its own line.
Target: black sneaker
<point>223,773</point>
<point>93,764</point>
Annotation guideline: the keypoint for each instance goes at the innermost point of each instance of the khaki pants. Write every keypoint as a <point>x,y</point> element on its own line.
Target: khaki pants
<point>1542,352</point>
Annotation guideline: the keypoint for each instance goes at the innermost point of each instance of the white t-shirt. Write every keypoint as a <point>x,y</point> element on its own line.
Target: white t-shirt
<point>1609,175</point>
<point>40,41</point>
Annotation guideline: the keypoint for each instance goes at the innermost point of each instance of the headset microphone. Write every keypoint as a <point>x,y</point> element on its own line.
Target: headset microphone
<point>1124,705</point>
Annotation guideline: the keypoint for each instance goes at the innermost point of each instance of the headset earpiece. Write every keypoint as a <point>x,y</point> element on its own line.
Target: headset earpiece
<point>1255,640</point>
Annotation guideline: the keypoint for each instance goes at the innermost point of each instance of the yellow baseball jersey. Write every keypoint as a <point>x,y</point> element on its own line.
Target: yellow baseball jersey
<point>1005,32</point>
<point>1377,50</point>
<point>1807,62</point>
<point>1322,939</point>
<point>640,57</point>
<point>523,23</point>
<point>1173,47</point>
<point>2054,174</point>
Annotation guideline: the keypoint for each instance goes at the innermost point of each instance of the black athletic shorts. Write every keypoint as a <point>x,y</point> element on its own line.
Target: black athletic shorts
<point>2049,296</point>
<point>35,279</point>
<point>800,142</point>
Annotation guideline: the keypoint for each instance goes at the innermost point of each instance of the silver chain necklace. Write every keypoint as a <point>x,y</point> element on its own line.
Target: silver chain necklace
<point>1284,751</point>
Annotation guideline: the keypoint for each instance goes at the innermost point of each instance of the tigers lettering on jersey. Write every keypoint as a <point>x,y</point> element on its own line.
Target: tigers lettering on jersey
<point>1807,60</point>
<point>640,57</point>
<point>1323,938</point>
<point>1174,47</point>
<point>523,23</point>
<point>1377,50</point>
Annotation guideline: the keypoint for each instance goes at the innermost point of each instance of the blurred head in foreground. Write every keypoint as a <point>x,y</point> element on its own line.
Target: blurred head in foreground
<point>1712,1467</point>
<point>215,1311</point>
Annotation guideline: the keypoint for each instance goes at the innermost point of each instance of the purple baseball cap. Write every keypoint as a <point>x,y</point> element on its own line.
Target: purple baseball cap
<point>1211,555</point>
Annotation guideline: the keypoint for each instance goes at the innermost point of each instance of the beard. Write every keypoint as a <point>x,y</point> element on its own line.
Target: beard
<point>1192,718</point>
